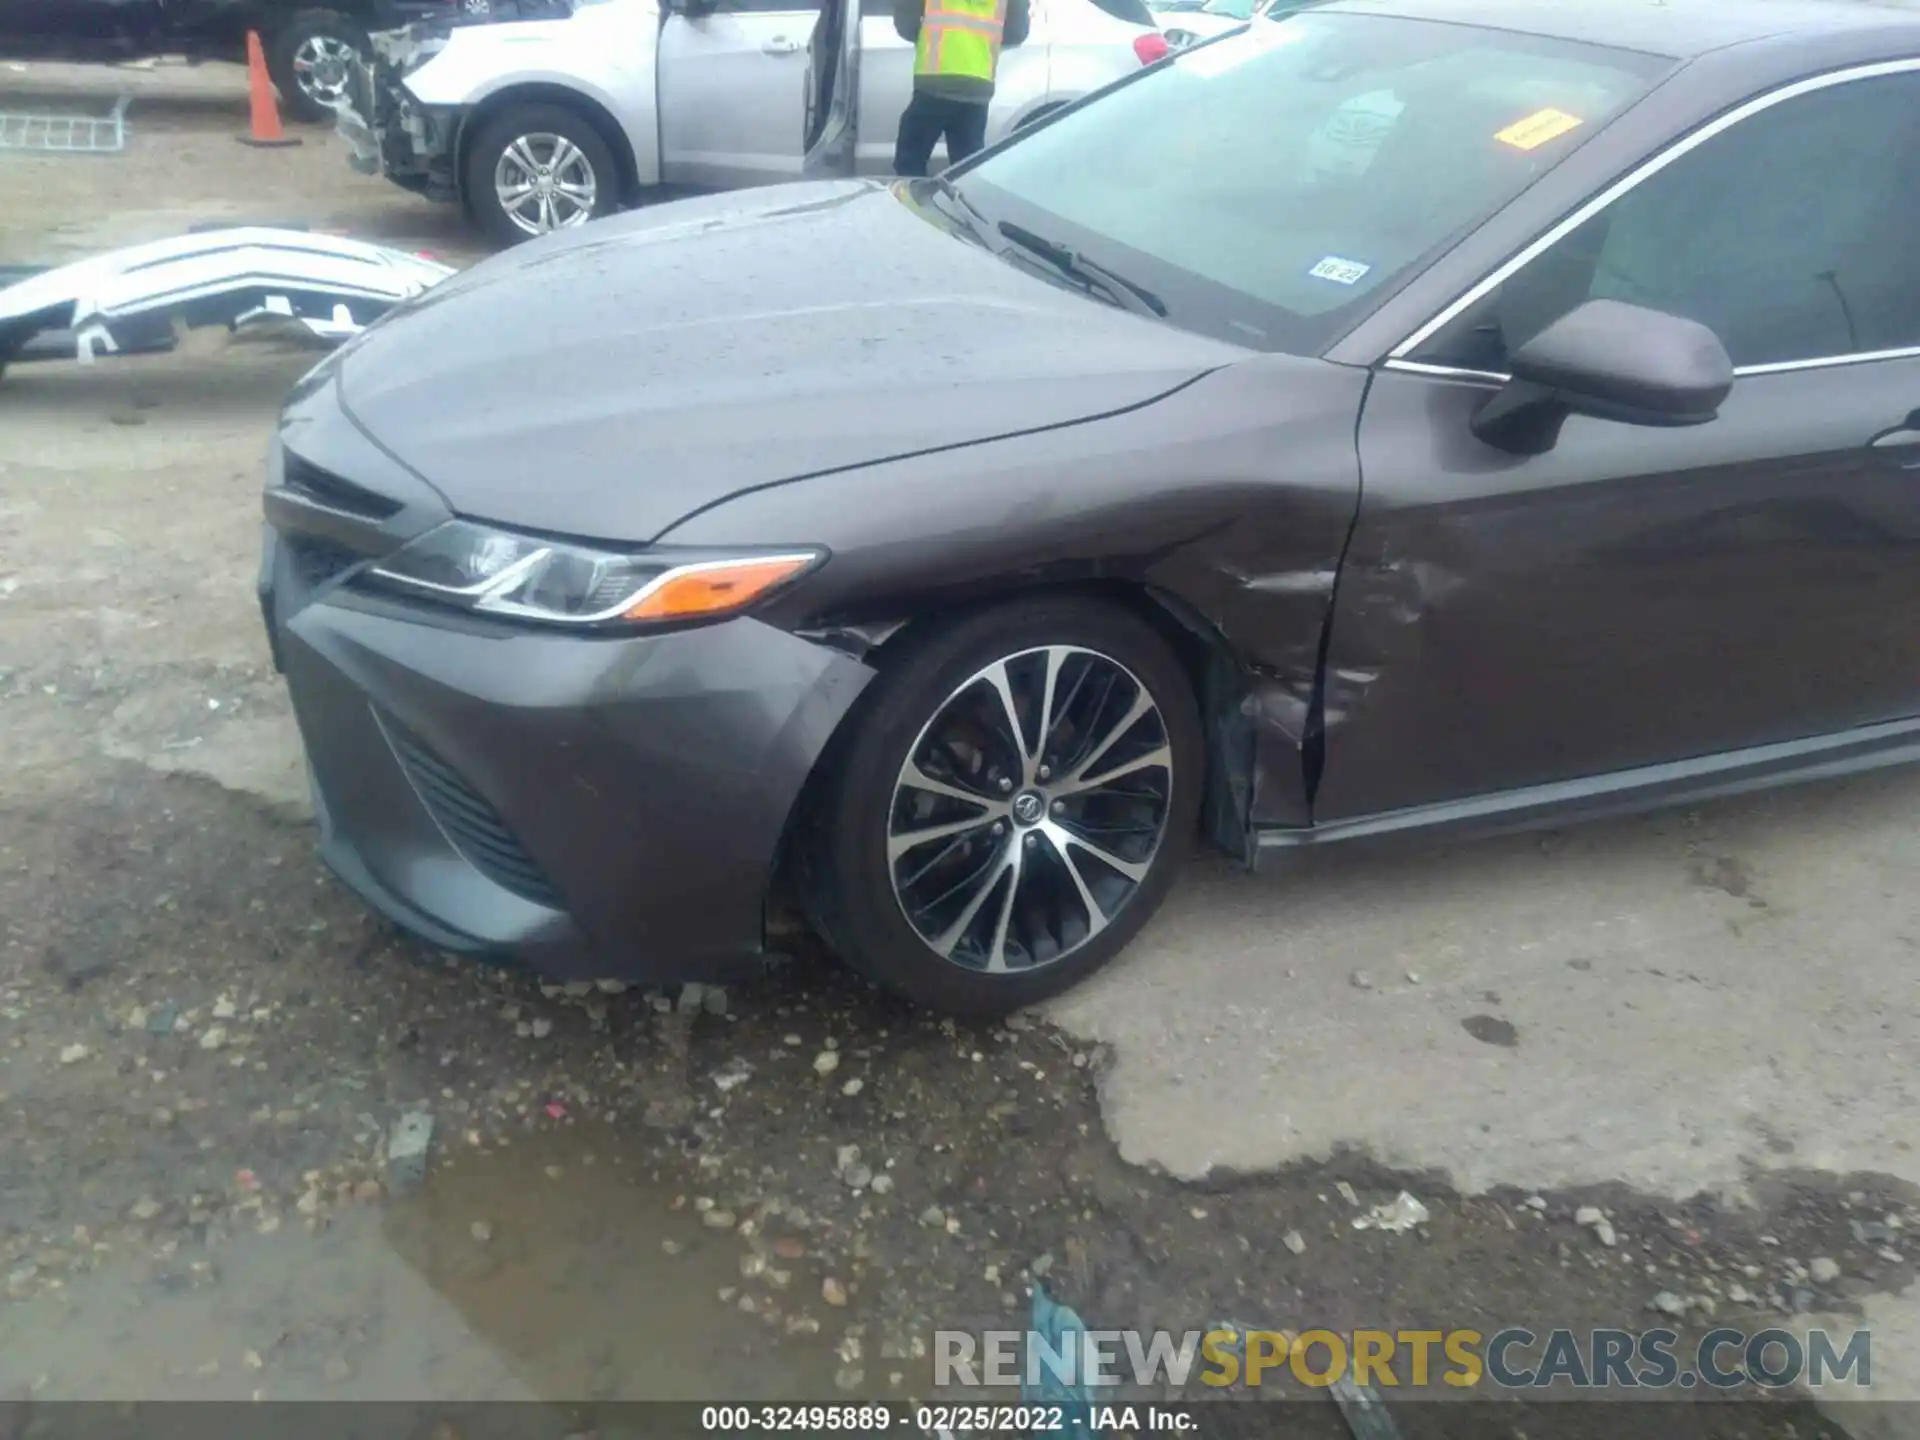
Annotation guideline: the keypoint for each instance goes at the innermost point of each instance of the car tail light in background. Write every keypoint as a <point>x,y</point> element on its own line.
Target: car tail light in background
<point>1150,47</point>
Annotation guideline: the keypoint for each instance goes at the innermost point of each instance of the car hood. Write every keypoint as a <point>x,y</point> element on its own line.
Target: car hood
<point>610,381</point>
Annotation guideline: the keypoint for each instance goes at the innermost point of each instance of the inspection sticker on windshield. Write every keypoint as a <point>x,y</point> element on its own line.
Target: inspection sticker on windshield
<point>1341,272</point>
<point>1538,128</point>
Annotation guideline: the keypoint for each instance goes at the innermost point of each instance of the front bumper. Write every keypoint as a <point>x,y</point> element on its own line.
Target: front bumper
<point>596,808</point>
<point>388,132</point>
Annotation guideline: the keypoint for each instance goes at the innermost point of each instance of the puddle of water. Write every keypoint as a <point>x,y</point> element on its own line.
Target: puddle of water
<point>574,1288</point>
<point>570,1297</point>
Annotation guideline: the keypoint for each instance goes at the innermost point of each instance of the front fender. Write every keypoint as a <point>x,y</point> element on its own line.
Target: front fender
<point>604,53</point>
<point>1234,493</point>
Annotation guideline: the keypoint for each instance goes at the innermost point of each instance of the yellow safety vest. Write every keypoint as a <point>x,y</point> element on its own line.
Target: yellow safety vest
<point>961,38</point>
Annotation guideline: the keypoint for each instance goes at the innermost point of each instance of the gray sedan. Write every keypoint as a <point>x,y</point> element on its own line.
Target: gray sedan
<point>1401,418</point>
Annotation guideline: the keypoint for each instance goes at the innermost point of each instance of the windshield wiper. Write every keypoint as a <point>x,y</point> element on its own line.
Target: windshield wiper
<point>969,218</point>
<point>1074,265</point>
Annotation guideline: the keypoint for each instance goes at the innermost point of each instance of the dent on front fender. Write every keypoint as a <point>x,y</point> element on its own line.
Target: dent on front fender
<point>1262,699</point>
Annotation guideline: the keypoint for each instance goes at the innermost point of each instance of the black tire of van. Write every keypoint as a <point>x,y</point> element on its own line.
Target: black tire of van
<point>325,36</point>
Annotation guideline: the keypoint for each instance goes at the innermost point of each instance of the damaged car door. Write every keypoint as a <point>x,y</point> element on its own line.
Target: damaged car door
<point>1599,604</point>
<point>831,131</point>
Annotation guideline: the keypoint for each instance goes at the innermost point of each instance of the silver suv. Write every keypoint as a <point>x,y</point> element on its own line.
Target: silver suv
<point>540,119</point>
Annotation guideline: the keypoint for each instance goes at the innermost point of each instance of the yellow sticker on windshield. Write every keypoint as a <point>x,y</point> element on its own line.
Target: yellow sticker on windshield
<point>1538,128</point>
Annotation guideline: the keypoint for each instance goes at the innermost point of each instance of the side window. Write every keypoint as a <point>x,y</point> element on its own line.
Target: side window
<point>1794,235</point>
<point>768,7</point>
<point>882,8</point>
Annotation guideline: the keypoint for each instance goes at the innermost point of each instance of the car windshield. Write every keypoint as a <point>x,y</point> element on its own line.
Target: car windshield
<point>1232,9</point>
<point>1271,187</point>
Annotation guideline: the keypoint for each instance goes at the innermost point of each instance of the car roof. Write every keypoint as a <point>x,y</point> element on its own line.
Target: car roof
<point>1680,29</point>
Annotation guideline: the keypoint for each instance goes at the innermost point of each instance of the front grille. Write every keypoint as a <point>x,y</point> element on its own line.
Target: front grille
<point>323,487</point>
<point>474,826</point>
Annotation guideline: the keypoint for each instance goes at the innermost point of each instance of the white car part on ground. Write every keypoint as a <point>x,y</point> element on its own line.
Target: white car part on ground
<point>66,134</point>
<point>332,285</point>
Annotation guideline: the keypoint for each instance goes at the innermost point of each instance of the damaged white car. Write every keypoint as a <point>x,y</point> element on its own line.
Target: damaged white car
<point>542,116</point>
<point>131,299</point>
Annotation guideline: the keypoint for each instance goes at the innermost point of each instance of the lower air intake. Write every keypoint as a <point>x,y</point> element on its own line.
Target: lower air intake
<point>474,826</point>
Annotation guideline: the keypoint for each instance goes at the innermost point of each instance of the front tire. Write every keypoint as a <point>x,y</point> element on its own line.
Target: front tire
<point>533,169</point>
<point>1012,805</point>
<point>311,63</point>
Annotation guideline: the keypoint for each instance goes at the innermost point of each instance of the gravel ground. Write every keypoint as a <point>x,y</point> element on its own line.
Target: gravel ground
<point>206,1042</point>
<point>781,1189</point>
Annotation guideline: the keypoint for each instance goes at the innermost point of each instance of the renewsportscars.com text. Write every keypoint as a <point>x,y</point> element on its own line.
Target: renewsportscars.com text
<point>1511,1359</point>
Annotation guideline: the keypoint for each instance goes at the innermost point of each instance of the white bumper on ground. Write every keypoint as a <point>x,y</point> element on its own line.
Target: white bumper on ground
<point>332,285</point>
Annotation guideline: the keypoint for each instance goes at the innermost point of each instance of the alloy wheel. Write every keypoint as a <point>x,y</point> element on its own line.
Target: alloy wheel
<point>323,68</point>
<point>545,182</point>
<point>1029,809</point>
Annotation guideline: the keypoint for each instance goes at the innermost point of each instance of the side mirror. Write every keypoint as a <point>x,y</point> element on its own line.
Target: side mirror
<point>1612,361</point>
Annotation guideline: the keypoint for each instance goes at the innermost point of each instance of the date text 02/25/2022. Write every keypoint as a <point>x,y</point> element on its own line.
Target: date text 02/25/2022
<point>945,1422</point>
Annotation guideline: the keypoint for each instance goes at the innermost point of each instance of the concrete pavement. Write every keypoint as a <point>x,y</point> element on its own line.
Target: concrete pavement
<point>1668,1003</point>
<point>1679,1004</point>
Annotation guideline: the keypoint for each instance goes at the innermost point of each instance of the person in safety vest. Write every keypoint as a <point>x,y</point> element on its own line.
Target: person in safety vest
<point>956,49</point>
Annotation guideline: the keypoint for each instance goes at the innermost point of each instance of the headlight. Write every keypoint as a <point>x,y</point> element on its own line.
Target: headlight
<point>498,572</point>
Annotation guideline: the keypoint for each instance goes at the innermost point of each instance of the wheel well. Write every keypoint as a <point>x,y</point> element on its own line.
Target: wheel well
<point>1194,639</point>
<point>274,28</point>
<point>311,14</point>
<point>1219,686</point>
<point>588,109</point>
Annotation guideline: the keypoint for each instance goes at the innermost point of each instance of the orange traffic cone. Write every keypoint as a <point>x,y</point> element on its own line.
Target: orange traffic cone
<point>265,107</point>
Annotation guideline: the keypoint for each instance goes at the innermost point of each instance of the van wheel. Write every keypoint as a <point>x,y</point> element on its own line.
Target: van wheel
<point>312,61</point>
<point>1011,806</point>
<point>533,169</point>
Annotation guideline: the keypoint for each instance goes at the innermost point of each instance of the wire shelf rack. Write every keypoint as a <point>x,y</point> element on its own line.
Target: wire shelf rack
<point>66,134</point>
